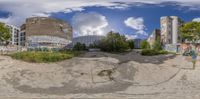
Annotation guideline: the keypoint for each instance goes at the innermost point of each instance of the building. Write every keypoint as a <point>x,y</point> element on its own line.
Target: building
<point>22,35</point>
<point>154,36</point>
<point>170,34</point>
<point>44,32</point>
<point>15,32</point>
<point>137,43</point>
<point>87,40</point>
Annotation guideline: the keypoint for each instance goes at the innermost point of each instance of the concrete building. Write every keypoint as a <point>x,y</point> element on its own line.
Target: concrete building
<point>154,36</point>
<point>170,34</point>
<point>22,35</point>
<point>46,32</point>
<point>87,40</point>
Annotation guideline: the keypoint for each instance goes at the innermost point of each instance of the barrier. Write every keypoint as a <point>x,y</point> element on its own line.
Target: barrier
<point>11,49</point>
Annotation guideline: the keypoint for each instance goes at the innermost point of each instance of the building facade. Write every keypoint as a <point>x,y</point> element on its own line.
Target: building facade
<point>170,33</point>
<point>46,32</point>
<point>154,36</point>
<point>22,35</point>
<point>87,40</point>
<point>17,38</point>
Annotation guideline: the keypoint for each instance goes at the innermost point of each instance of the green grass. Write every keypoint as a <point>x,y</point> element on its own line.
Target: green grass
<point>44,57</point>
<point>150,52</point>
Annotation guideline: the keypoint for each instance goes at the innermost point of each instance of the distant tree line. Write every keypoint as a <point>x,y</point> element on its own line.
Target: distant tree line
<point>113,42</point>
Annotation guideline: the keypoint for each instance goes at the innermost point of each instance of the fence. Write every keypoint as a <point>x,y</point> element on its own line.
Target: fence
<point>181,48</point>
<point>11,49</point>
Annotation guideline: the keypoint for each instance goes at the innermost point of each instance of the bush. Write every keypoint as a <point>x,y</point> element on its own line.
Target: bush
<point>150,52</point>
<point>131,44</point>
<point>114,42</point>
<point>157,45</point>
<point>94,45</point>
<point>43,57</point>
<point>145,45</point>
<point>79,47</point>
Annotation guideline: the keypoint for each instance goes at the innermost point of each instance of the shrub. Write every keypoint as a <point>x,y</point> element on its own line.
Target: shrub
<point>157,45</point>
<point>150,52</point>
<point>145,45</point>
<point>131,44</point>
<point>94,45</point>
<point>79,47</point>
<point>43,57</point>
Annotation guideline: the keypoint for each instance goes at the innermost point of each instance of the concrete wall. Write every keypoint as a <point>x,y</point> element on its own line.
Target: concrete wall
<point>48,26</point>
<point>11,49</point>
<point>171,48</point>
<point>43,28</point>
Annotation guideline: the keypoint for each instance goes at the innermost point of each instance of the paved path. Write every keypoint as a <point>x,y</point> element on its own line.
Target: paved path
<point>101,75</point>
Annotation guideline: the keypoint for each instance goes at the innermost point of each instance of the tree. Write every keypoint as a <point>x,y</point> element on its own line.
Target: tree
<point>145,45</point>
<point>157,45</point>
<point>114,42</point>
<point>94,45</point>
<point>131,44</point>
<point>4,34</point>
<point>191,31</point>
<point>79,47</point>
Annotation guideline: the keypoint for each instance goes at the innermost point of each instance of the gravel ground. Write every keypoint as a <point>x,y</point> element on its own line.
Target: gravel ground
<point>101,75</point>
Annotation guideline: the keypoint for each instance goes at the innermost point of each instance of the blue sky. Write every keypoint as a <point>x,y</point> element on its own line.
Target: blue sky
<point>133,19</point>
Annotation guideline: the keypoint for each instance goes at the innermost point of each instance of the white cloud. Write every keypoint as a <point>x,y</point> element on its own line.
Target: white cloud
<point>21,9</point>
<point>136,24</point>
<point>196,20</point>
<point>90,24</point>
<point>130,37</point>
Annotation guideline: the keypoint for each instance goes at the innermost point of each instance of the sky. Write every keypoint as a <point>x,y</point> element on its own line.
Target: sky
<point>132,18</point>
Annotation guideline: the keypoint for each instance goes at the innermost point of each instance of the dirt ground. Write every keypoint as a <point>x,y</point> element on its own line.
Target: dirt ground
<point>102,75</point>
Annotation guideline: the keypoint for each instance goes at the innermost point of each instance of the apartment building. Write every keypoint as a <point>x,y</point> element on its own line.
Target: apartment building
<point>17,38</point>
<point>170,33</point>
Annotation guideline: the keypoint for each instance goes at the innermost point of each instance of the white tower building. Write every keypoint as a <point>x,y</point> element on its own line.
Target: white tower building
<point>170,29</point>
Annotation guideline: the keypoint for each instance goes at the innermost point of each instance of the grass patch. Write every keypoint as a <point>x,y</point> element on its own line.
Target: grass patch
<point>150,52</point>
<point>44,57</point>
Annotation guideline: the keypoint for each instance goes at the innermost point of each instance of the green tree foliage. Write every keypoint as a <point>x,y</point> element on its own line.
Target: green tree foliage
<point>191,31</point>
<point>94,45</point>
<point>114,42</point>
<point>145,45</point>
<point>4,34</point>
<point>131,44</point>
<point>157,45</point>
<point>79,47</point>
